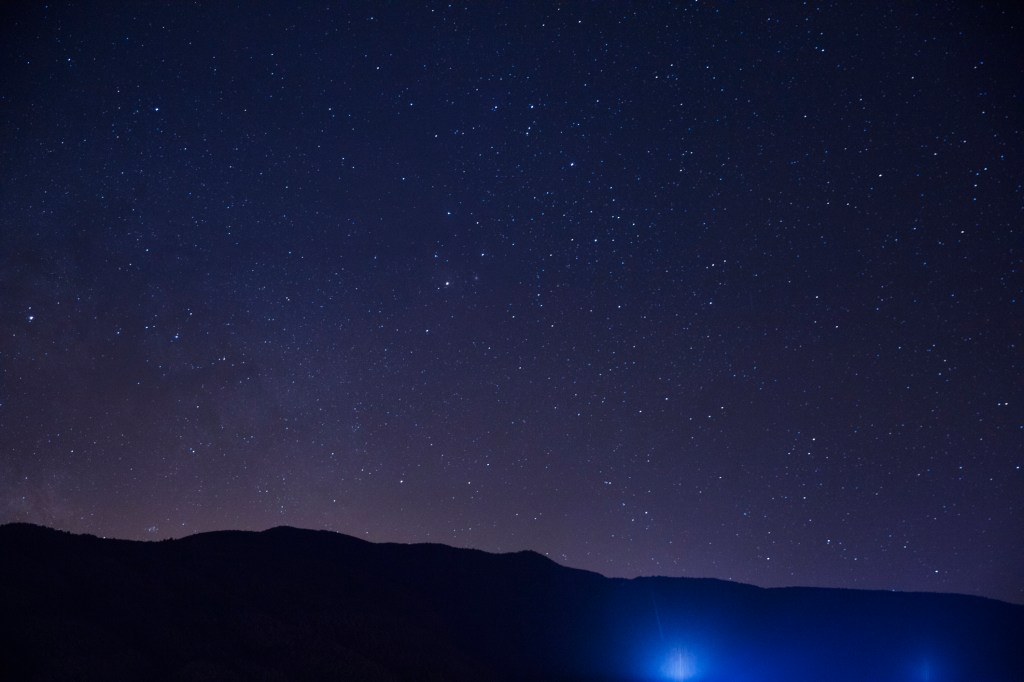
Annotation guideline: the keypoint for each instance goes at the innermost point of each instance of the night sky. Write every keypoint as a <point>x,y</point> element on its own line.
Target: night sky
<point>703,289</point>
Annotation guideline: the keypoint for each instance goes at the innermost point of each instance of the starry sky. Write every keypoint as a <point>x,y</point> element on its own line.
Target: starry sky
<point>708,289</point>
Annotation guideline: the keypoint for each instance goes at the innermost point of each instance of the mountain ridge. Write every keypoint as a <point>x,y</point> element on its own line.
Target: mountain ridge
<point>288,603</point>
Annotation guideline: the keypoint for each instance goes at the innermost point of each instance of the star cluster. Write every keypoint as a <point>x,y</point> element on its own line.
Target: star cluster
<point>700,289</point>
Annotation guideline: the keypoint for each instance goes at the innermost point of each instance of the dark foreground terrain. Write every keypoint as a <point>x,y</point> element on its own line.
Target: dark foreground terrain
<point>289,604</point>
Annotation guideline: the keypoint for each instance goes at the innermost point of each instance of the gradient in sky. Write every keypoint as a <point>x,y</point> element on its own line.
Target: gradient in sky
<point>692,289</point>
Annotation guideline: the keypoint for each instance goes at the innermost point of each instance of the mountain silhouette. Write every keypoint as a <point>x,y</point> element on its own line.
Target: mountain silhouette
<point>291,604</point>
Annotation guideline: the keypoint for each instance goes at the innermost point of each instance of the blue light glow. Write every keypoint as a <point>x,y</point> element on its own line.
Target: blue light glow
<point>680,665</point>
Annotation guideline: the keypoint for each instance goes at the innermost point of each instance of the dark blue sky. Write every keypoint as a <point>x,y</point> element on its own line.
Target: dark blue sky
<point>701,289</point>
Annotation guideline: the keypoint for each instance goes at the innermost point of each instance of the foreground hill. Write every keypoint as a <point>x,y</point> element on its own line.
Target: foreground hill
<point>289,604</point>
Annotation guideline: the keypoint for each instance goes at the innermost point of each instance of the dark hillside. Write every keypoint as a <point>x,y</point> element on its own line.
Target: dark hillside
<point>289,604</point>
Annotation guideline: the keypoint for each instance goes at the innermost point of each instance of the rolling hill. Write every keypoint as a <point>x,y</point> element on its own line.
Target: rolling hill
<point>291,604</point>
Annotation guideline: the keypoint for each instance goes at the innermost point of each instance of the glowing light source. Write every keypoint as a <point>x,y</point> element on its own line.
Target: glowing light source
<point>679,666</point>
